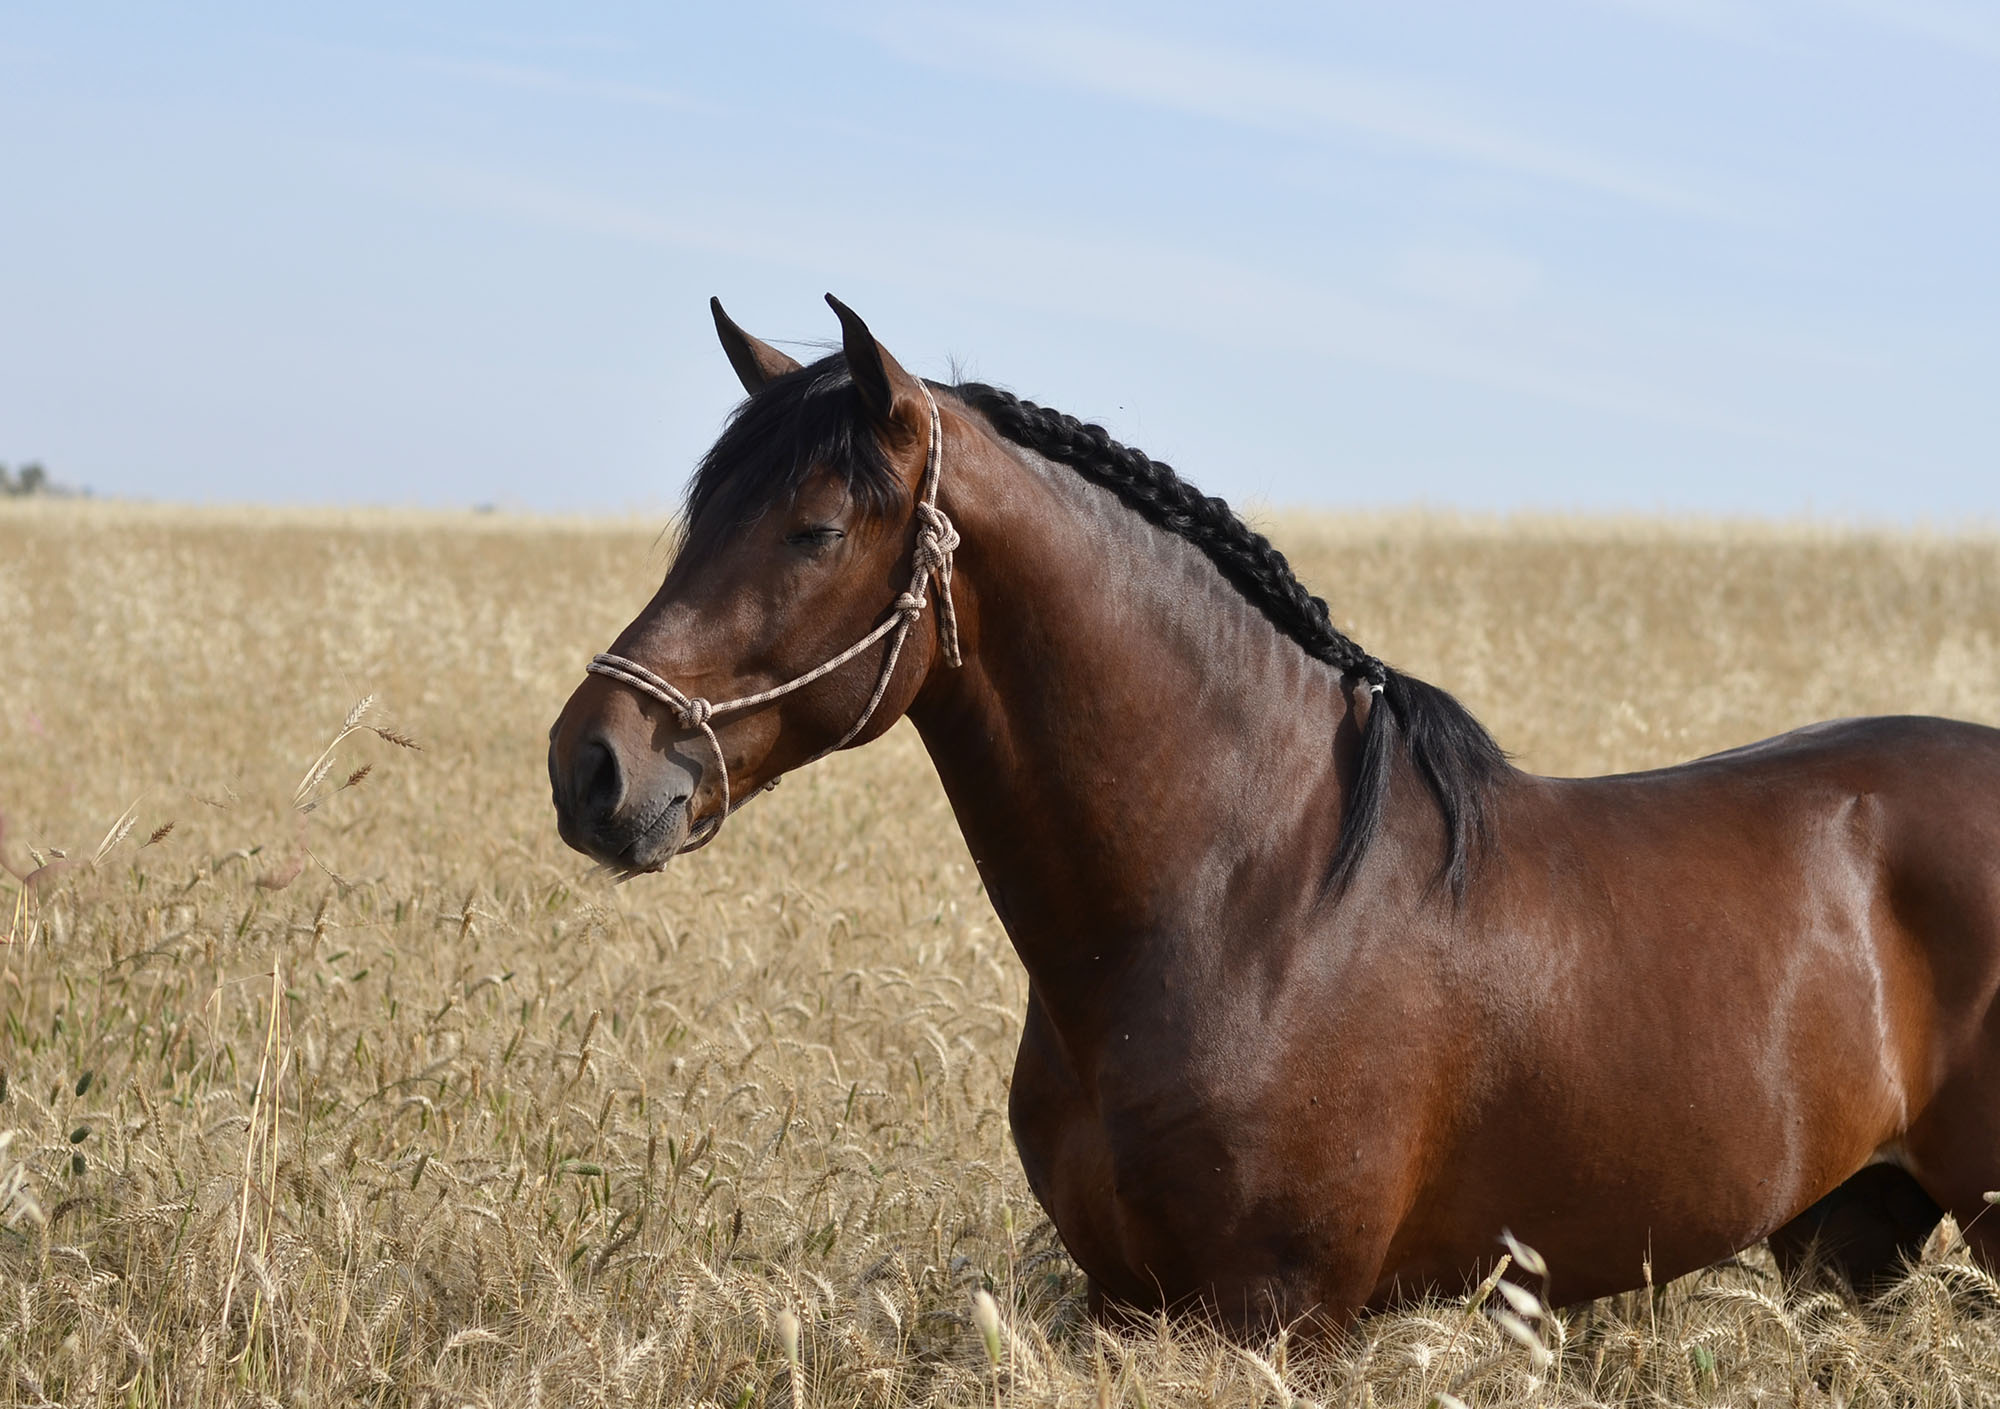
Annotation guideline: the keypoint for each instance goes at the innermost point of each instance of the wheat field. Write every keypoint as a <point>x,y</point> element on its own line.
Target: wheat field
<point>331,1077</point>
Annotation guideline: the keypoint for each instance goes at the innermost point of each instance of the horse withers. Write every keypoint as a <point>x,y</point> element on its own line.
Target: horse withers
<point>1324,994</point>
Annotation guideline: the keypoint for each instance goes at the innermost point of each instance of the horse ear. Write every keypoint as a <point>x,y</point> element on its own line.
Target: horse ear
<point>756,362</point>
<point>877,377</point>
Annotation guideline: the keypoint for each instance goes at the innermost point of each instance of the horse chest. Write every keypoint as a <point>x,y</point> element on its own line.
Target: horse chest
<point>1165,1181</point>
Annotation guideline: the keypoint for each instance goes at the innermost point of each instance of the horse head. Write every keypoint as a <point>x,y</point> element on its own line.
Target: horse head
<point>786,627</point>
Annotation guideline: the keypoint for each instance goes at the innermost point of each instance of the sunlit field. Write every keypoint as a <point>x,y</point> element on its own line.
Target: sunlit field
<point>331,1076</point>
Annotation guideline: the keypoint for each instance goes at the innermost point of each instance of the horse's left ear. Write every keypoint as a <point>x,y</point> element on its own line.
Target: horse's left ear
<point>877,377</point>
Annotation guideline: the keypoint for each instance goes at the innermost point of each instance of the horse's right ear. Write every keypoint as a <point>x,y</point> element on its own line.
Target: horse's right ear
<point>756,362</point>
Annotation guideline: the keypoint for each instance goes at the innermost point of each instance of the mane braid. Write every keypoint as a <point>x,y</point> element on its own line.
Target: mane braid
<point>1450,750</point>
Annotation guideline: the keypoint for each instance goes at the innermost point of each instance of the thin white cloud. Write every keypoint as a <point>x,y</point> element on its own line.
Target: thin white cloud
<point>533,42</point>
<point>1168,290</point>
<point>1970,29</point>
<point>501,73</point>
<point>1728,20</point>
<point>544,80</point>
<point>1469,278</point>
<point>1275,93</point>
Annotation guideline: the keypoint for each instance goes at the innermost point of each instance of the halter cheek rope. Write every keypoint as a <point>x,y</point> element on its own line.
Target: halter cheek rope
<point>930,558</point>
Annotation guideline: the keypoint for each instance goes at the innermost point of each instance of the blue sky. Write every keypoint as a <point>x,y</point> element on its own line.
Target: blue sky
<point>1691,255</point>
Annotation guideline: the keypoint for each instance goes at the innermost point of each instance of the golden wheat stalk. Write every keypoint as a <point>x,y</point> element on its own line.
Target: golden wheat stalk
<point>322,765</point>
<point>119,830</point>
<point>258,1096</point>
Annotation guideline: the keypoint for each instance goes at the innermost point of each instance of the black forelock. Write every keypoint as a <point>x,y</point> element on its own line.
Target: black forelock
<point>807,420</point>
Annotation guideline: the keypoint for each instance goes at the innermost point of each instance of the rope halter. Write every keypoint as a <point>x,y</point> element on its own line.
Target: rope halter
<point>930,560</point>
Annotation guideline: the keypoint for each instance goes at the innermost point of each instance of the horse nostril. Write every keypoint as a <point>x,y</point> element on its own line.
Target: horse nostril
<point>599,782</point>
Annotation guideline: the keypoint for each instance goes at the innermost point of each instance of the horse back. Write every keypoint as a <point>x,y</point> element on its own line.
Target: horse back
<point>1884,831</point>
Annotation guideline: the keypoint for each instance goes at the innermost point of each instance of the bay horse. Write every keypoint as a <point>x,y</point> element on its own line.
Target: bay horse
<point>1324,994</point>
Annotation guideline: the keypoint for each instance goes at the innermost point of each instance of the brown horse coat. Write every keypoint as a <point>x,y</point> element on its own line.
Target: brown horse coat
<point>1669,1014</point>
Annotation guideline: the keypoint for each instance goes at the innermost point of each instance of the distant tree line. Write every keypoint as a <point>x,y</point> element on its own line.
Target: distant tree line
<point>31,478</point>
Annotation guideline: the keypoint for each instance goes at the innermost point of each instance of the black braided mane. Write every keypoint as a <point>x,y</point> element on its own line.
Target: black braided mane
<point>1457,759</point>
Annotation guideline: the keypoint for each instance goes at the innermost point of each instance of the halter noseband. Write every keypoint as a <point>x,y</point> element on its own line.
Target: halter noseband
<point>930,557</point>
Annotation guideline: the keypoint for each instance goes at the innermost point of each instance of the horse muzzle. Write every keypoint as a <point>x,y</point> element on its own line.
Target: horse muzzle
<point>631,817</point>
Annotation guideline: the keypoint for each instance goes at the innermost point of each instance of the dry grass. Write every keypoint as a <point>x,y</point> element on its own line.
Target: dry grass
<point>387,1102</point>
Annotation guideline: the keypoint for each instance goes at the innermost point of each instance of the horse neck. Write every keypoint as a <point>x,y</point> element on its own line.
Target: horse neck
<point>1143,767</point>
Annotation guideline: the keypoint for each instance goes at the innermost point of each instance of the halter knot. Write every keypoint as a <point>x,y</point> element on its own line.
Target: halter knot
<point>696,713</point>
<point>908,603</point>
<point>937,538</point>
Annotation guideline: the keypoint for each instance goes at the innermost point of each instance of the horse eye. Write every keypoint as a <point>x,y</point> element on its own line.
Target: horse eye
<point>817,536</point>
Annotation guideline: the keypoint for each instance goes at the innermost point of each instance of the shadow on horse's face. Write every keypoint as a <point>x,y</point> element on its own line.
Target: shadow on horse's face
<point>790,564</point>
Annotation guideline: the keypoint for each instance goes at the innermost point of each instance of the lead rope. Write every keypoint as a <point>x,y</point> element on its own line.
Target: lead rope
<point>930,558</point>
